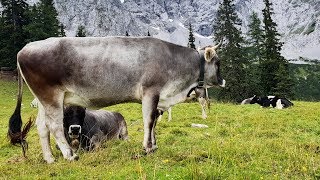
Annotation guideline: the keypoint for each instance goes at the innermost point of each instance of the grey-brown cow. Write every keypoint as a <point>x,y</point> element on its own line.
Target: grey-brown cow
<point>102,71</point>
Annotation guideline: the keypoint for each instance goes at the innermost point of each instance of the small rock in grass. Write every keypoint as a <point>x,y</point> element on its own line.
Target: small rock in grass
<point>199,125</point>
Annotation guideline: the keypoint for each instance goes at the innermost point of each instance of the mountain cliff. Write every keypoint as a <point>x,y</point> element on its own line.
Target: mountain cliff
<point>298,20</point>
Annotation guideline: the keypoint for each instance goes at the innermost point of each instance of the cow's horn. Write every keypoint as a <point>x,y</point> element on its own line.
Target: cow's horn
<point>216,46</point>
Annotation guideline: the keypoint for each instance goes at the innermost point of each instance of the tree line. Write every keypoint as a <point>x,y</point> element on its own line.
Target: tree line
<point>251,66</point>
<point>21,24</point>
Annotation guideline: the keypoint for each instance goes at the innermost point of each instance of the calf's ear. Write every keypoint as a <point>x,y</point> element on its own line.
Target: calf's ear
<point>209,53</point>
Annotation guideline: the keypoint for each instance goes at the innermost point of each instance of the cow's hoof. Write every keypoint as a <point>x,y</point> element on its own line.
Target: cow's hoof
<point>74,158</point>
<point>151,150</point>
<point>49,160</point>
<point>154,147</point>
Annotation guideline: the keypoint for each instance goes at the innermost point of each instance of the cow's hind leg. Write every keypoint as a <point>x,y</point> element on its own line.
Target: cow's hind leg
<point>54,121</point>
<point>150,114</point>
<point>44,135</point>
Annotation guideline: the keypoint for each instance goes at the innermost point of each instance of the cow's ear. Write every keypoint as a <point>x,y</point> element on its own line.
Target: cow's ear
<point>209,53</point>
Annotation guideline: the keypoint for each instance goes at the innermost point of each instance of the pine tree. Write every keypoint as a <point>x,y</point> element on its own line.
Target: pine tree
<point>81,32</point>
<point>5,44</point>
<point>35,28</point>
<point>254,51</point>
<point>44,22</point>
<point>191,38</point>
<point>12,36</point>
<point>275,70</point>
<point>233,61</point>
<point>255,39</point>
<point>49,13</point>
<point>61,31</point>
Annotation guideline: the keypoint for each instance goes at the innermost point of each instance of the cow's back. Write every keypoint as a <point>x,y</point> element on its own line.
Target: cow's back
<point>103,71</point>
<point>101,121</point>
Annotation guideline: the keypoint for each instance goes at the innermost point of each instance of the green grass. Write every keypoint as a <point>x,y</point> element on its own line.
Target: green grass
<point>242,142</point>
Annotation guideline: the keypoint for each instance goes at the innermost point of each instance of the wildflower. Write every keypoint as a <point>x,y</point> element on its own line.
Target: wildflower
<point>165,161</point>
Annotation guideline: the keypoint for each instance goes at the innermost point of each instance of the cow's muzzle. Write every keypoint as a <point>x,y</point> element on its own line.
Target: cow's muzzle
<point>74,131</point>
<point>74,135</point>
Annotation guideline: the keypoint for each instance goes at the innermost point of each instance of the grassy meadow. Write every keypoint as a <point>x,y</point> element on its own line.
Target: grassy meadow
<point>242,142</point>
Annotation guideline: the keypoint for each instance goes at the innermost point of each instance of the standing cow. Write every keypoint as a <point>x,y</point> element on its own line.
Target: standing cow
<point>102,71</point>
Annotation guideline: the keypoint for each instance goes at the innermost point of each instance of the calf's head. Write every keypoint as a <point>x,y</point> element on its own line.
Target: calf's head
<point>73,118</point>
<point>212,66</point>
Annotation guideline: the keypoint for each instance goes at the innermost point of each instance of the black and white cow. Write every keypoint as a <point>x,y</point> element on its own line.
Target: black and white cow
<point>263,101</point>
<point>89,128</point>
<point>274,101</point>
<point>103,71</point>
<point>248,100</point>
<point>281,103</point>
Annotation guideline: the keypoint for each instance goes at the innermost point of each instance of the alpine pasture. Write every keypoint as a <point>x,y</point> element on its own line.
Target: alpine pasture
<point>242,142</point>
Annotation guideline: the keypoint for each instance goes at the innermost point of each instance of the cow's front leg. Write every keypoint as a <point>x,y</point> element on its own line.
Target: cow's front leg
<point>169,114</point>
<point>150,114</point>
<point>153,133</point>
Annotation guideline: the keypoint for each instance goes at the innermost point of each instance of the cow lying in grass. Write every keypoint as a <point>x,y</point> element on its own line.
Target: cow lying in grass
<point>89,128</point>
<point>248,100</point>
<point>281,103</point>
<point>274,101</point>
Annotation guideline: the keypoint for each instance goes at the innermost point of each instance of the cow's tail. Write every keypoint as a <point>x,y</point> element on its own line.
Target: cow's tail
<point>15,135</point>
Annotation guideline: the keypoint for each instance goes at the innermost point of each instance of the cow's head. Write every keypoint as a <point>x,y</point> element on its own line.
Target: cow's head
<point>212,67</point>
<point>255,99</point>
<point>73,118</point>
